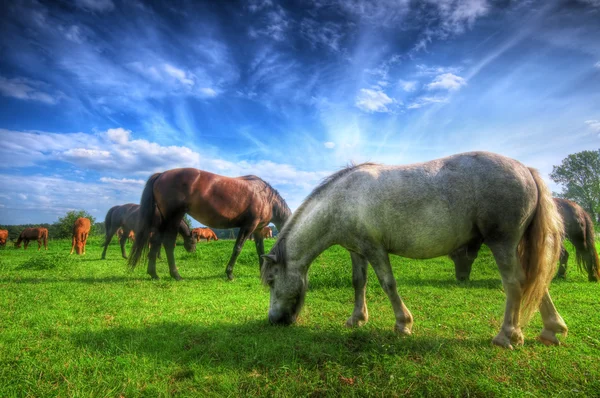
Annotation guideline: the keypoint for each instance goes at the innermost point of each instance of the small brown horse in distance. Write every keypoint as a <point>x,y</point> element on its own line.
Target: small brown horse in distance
<point>3,236</point>
<point>267,232</point>
<point>81,230</point>
<point>579,229</point>
<point>204,233</point>
<point>28,234</point>
<point>125,217</point>
<point>216,201</point>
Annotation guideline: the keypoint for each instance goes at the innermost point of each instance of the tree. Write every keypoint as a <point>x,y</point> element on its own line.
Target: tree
<point>188,221</point>
<point>64,226</point>
<point>579,174</point>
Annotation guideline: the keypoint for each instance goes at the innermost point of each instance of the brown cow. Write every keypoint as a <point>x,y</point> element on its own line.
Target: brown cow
<point>266,232</point>
<point>204,233</point>
<point>3,237</point>
<point>39,234</point>
<point>81,230</point>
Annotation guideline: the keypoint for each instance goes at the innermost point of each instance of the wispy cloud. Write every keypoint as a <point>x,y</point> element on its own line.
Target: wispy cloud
<point>30,90</point>
<point>373,101</point>
<point>594,125</point>
<point>95,5</point>
<point>425,100</point>
<point>408,85</point>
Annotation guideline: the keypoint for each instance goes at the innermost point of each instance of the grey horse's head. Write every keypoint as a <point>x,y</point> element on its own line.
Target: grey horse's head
<point>288,289</point>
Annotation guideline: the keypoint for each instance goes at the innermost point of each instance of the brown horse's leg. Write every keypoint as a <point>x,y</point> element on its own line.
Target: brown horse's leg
<point>244,233</point>
<point>360,315</point>
<point>26,244</point>
<point>564,259</point>
<point>122,242</point>
<point>463,259</point>
<point>110,231</point>
<point>260,246</point>
<point>85,236</point>
<point>72,245</point>
<point>155,242</point>
<point>380,261</point>
<point>169,244</point>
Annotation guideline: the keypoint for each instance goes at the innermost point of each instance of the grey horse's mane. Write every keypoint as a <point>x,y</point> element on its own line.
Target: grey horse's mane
<point>279,249</point>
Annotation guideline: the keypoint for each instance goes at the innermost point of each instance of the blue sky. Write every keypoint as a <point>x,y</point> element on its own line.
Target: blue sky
<point>96,95</point>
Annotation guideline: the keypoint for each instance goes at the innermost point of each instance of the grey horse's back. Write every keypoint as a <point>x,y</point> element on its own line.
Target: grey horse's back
<point>429,209</point>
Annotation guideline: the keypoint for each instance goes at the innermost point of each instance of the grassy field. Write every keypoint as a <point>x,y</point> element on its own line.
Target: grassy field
<point>81,326</point>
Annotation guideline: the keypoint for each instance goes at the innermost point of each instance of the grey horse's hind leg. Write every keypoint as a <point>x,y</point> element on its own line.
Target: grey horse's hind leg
<point>463,259</point>
<point>513,278</point>
<point>553,322</point>
<point>380,261</point>
<point>564,259</point>
<point>360,315</point>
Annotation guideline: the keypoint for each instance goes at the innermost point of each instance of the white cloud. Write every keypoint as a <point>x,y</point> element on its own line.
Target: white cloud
<point>447,81</point>
<point>594,125</point>
<point>209,92</point>
<point>408,85</point>
<point>95,5</point>
<point>322,34</point>
<point>74,34</point>
<point>178,74</point>
<point>423,101</point>
<point>373,100</point>
<point>118,135</point>
<point>597,65</point>
<point>121,181</point>
<point>29,90</point>
<point>329,145</point>
<point>22,196</point>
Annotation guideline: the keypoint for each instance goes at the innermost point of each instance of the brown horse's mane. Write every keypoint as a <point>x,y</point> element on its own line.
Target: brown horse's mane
<point>279,249</point>
<point>281,210</point>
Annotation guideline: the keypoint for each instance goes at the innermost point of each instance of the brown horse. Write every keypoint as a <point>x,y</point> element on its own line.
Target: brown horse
<point>214,200</point>
<point>126,217</point>
<point>204,233</point>
<point>267,232</point>
<point>579,229</point>
<point>3,236</point>
<point>81,230</point>
<point>28,234</point>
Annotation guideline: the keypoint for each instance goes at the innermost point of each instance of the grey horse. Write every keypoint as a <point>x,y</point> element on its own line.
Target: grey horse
<point>420,211</point>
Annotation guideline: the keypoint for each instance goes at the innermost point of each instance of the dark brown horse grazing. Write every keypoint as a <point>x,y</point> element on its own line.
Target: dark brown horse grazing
<point>214,200</point>
<point>39,234</point>
<point>125,217</point>
<point>131,236</point>
<point>3,236</point>
<point>579,229</point>
<point>267,232</point>
<point>81,230</point>
<point>204,233</point>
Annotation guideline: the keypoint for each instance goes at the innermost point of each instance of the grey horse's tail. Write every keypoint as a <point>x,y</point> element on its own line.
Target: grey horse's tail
<point>145,220</point>
<point>539,249</point>
<point>589,257</point>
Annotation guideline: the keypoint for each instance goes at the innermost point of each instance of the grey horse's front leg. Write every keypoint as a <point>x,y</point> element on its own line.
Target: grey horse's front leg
<point>380,261</point>
<point>360,315</point>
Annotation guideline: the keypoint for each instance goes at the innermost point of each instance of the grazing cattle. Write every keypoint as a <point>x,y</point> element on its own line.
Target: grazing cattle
<point>28,234</point>
<point>267,232</point>
<point>125,217</point>
<point>3,236</point>
<point>204,233</point>
<point>81,230</point>
<point>215,201</point>
<point>420,211</point>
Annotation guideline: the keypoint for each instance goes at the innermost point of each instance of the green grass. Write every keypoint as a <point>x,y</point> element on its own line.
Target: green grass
<point>81,326</point>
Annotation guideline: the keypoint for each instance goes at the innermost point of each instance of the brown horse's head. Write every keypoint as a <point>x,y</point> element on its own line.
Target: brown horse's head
<point>78,247</point>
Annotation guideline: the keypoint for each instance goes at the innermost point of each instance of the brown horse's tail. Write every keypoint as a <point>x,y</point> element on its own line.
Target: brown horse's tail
<point>45,237</point>
<point>589,257</point>
<point>539,248</point>
<point>145,221</point>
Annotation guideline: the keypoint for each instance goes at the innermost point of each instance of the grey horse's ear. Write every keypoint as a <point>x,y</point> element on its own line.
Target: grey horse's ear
<point>272,258</point>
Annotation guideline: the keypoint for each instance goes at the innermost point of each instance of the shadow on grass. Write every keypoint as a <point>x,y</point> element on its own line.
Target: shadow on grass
<point>257,344</point>
<point>106,279</point>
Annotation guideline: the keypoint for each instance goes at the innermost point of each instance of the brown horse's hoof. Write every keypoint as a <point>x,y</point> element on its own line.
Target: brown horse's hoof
<point>154,277</point>
<point>229,276</point>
